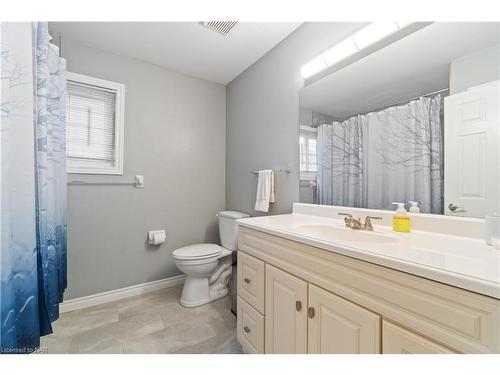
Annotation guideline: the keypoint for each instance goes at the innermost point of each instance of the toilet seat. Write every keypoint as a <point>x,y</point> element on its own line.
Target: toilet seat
<point>199,251</point>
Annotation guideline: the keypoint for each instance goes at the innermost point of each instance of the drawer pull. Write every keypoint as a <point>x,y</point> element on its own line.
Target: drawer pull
<point>246,329</point>
<point>310,312</point>
<point>298,305</point>
<point>247,280</point>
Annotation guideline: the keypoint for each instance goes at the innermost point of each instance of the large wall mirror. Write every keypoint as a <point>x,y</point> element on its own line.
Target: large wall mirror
<point>415,120</point>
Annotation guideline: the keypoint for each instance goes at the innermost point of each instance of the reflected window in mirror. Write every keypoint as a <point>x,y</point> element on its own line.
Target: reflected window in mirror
<point>308,148</point>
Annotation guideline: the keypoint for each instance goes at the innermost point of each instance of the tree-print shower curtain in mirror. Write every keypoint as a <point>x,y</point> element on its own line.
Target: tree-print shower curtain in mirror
<point>33,185</point>
<point>391,155</point>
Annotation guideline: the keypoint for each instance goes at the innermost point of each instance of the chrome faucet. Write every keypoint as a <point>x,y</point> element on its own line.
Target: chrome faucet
<point>351,222</point>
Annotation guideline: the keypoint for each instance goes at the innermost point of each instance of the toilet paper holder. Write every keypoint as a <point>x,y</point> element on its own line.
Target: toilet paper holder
<point>156,237</point>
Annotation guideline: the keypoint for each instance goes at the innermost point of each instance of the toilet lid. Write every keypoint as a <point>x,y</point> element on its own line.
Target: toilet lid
<point>197,251</point>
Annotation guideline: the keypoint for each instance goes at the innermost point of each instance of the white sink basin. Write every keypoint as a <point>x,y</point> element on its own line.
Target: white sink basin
<point>331,233</point>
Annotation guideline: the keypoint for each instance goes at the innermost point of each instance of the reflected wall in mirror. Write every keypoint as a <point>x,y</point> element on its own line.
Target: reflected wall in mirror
<point>416,120</point>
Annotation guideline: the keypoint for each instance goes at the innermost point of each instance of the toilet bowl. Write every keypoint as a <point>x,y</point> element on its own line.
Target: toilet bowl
<point>208,267</point>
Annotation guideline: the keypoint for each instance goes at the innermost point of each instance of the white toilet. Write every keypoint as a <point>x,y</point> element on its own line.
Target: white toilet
<point>208,267</point>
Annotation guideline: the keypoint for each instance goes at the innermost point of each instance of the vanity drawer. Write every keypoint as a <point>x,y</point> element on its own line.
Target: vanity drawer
<point>250,328</point>
<point>397,340</point>
<point>251,278</point>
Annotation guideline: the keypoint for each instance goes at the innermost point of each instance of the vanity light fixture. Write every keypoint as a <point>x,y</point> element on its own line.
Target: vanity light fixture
<point>313,67</point>
<point>340,51</point>
<point>373,33</point>
<point>354,43</point>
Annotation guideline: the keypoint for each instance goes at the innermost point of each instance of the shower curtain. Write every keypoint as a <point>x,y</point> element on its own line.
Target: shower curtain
<point>393,155</point>
<point>33,185</point>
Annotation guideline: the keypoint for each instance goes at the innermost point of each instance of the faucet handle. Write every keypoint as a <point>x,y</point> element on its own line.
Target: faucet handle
<point>347,219</point>
<point>368,222</point>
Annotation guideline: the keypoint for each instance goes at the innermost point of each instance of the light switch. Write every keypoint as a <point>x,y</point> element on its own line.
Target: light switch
<point>139,181</point>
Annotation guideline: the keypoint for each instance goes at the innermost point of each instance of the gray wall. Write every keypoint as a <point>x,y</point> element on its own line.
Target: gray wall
<point>312,118</point>
<point>175,129</point>
<point>263,116</point>
<point>475,69</point>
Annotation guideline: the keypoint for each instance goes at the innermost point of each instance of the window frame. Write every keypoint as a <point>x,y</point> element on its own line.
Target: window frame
<point>303,174</point>
<point>85,167</point>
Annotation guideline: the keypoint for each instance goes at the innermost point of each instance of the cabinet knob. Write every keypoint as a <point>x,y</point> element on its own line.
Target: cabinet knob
<point>247,280</point>
<point>298,305</point>
<point>246,329</point>
<point>310,312</point>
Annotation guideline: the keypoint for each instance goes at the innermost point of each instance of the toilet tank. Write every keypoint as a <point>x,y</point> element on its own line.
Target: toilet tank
<point>228,229</point>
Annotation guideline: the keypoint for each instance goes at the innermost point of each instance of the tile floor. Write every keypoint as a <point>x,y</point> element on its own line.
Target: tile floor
<point>150,323</point>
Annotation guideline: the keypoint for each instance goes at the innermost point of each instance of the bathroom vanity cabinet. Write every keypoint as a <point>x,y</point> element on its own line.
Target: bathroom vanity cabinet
<point>297,298</point>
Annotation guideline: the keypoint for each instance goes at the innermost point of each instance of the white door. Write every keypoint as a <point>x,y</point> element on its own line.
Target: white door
<point>471,149</point>
<point>286,319</point>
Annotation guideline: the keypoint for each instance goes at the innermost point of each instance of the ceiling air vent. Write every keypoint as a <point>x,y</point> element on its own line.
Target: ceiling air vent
<point>222,27</point>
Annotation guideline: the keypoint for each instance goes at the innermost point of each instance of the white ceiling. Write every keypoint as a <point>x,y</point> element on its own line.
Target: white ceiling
<point>185,47</point>
<point>415,65</point>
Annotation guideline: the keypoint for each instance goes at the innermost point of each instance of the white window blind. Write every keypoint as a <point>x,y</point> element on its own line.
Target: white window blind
<point>94,126</point>
<point>308,149</point>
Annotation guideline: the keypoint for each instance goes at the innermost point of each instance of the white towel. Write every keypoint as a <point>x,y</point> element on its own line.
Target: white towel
<point>265,190</point>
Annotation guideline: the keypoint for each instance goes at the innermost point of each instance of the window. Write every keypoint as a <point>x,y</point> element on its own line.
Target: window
<point>308,144</point>
<point>95,114</point>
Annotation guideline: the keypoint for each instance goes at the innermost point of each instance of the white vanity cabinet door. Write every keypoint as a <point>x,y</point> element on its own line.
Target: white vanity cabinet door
<point>337,326</point>
<point>397,340</point>
<point>286,313</point>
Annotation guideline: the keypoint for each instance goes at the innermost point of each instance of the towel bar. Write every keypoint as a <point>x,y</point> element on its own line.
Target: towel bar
<point>99,183</point>
<point>287,171</point>
<point>138,182</point>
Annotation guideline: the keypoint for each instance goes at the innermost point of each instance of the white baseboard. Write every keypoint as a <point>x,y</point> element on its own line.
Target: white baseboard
<point>114,295</point>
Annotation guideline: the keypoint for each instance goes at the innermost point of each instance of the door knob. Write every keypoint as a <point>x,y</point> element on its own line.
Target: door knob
<point>246,329</point>
<point>310,312</point>
<point>453,207</point>
<point>298,305</point>
<point>247,280</point>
